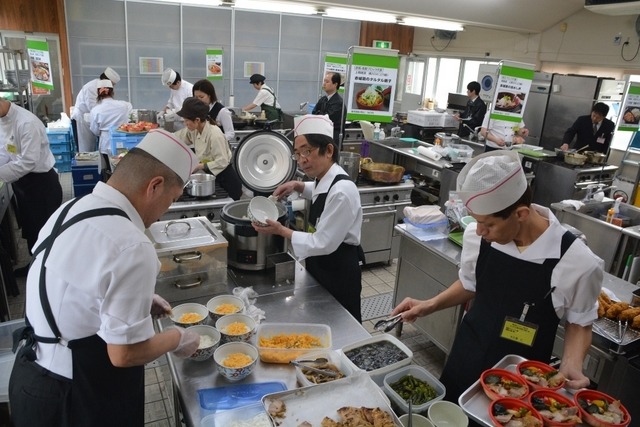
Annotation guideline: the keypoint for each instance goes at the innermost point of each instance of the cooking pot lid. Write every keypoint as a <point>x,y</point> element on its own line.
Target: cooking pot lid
<point>263,161</point>
<point>182,234</point>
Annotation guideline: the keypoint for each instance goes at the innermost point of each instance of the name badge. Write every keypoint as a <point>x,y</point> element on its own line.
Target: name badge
<point>600,140</point>
<point>519,331</point>
<point>11,148</point>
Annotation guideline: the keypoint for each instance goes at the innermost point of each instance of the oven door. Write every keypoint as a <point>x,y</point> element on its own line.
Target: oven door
<point>377,232</point>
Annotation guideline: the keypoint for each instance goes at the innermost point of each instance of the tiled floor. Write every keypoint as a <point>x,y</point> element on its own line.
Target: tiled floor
<point>376,280</point>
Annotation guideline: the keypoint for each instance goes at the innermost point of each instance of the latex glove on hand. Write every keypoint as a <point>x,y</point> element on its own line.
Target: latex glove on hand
<point>160,308</point>
<point>189,342</point>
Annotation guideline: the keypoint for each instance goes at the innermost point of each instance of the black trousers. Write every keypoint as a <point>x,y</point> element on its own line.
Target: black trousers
<point>230,181</point>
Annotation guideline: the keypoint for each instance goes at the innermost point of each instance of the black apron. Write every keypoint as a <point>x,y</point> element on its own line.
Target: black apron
<point>503,285</point>
<point>339,272</point>
<point>101,394</point>
<point>38,195</point>
<point>271,111</point>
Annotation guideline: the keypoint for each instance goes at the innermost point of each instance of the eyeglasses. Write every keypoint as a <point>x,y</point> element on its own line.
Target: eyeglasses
<point>304,153</point>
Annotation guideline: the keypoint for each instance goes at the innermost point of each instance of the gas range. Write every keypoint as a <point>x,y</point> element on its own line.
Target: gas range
<point>189,206</point>
<point>374,194</point>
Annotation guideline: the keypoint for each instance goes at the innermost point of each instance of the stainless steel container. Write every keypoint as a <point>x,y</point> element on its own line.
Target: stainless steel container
<point>248,249</point>
<point>350,162</point>
<point>147,116</point>
<point>201,185</point>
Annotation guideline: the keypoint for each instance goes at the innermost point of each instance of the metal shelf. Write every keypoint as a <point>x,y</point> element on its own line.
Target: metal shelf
<point>14,60</point>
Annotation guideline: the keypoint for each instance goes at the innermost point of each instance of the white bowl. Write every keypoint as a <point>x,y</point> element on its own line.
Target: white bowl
<point>418,420</point>
<point>235,374</point>
<point>189,307</point>
<point>216,302</point>
<point>261,209</point>
<point>224,321</point>
<point>447,414</point>
<point>205,352</point>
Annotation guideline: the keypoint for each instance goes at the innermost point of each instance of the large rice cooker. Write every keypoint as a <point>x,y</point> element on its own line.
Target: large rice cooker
<point>263,160</point>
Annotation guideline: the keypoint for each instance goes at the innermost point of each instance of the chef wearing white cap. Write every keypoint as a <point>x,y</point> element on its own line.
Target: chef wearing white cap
<point>525,273</point>
<point>331,245</point>
<point>85,101</point>
<point>180,90</point>
<point>83,362</point>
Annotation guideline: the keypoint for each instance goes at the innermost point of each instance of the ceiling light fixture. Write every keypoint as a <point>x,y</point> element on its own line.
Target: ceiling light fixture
<point>275,6</point>
<point>436,24</point>
<point>359,15</point>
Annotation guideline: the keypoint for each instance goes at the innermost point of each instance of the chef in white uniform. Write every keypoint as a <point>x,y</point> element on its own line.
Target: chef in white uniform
<point>501,135</point>
<point>83,362</point>
<point>180,90</point>
<point>106,114</point>
<point>85,101</point>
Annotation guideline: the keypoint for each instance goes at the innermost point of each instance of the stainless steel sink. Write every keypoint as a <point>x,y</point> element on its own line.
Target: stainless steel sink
<point>598,210</point>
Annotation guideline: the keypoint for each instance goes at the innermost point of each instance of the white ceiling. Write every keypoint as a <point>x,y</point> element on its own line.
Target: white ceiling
<point>527,16</point>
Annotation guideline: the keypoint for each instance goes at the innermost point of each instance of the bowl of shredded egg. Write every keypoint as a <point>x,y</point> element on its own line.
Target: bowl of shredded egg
<point>209,340</point>
<point>235,360</point>
<point>189,314</point>
<point>223,305</point>
<point>236,327</point>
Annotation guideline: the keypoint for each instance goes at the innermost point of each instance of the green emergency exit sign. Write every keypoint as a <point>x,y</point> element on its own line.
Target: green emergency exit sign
<point>382,44</point>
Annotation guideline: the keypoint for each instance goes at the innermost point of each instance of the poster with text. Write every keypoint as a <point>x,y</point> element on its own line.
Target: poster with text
<point>372,86</point>
<point>40,64</point>
<point>214,63</point>
<point>336,63</point>
<point>511,91</point>
<point>630,118</point>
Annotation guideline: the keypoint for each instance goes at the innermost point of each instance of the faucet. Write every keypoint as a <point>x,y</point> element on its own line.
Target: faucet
<point>303,104</point>
<point>474,132</point>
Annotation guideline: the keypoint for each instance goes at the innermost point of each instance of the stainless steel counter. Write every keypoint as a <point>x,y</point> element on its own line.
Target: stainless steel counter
<point>299,301</point>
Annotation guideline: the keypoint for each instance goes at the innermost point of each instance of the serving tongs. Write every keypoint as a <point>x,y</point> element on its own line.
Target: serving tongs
<point>324,372</point>
<point>388,324</point>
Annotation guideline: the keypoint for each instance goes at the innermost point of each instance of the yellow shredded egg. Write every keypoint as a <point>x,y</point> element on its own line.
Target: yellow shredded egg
<point>190,318</point>
<point>236,328</point>
<point>236,360</point>
<point>226,309</point>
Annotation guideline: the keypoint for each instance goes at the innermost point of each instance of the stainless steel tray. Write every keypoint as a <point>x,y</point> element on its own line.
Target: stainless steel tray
<point>608,332</point>
<point>475,403</point>
<point>315,402</point>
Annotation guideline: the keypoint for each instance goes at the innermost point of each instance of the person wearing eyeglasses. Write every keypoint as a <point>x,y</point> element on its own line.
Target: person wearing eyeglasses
<point>331,244</point>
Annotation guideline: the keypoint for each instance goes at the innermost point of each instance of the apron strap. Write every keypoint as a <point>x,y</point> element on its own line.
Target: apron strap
<point>274,96</point>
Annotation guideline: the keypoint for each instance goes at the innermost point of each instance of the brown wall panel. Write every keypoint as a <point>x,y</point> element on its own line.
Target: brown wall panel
<point>400,36</point>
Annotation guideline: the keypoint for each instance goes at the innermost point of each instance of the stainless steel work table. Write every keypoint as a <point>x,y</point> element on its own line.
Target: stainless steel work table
<point>300,301</point>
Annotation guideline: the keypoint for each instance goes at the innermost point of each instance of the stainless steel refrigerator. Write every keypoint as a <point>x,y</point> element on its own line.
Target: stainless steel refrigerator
<point>536,105</point>
<point>571,96</point>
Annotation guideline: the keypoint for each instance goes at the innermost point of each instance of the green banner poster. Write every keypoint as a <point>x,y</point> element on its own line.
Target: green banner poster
<point>372,84</point>
<point>214,63</point>
<point>631,109</point>
<point>40,64</point>
<point>510,96</point>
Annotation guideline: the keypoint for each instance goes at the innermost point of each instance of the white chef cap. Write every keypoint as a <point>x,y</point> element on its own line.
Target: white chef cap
<point>104,83</point>
<point>112,75</point>
<point>168,149</point>
<point>308,124</point>
<point>492,182</point>
<point>168,76</point>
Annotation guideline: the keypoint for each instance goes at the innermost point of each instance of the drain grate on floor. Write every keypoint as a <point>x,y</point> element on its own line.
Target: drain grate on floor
<point>376,306</point>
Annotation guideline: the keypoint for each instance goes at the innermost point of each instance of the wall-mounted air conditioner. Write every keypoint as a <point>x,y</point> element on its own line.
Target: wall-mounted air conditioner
<point>613,7</point>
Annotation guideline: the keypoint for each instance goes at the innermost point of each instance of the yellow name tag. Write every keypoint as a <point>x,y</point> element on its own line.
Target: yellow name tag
<point>518,331</point>
<point>11,148</point>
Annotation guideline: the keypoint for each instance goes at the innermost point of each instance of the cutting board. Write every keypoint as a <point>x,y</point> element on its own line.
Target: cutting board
<point>531,153</point>
<point>456,237</point>
<point>410,140</point>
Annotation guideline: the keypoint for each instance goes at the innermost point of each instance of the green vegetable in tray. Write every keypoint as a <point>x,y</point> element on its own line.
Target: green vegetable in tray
<point>410,387</point>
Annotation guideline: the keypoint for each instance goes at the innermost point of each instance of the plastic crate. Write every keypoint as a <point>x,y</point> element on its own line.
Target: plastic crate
<point>63,166</point>
<point>121,141</point>
<point>82,189</point>
<point>85,174</point>
<point>60,149</point>
<point>58,135</point>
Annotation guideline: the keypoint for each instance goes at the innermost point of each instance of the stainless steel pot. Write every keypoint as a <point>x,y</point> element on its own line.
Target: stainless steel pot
<point>248,249</point>
<point>350,162</point>
<point>201,185</point>
<point>595,157</point>
<point>147,116</point>
<point>575,159</point>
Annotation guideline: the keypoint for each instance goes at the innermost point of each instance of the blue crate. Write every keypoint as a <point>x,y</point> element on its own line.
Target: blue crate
<point>82,189</point>
<point>122,141</point>
<point>60,149</point>
<point>63,166</point>
<point>83,175</point>
<point>57,136</point>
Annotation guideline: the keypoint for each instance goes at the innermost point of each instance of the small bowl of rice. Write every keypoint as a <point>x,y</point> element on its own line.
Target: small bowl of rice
<point>223,305</point>
<point>235,360</point>
<point>209,340</point>
<point>189,314</point>
<point>236,327</point>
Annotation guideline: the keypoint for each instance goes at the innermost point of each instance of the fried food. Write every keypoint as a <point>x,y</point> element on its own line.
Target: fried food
<point>615,309</point>
<point>361,417</point>
<point>636,322</point>
<point>604,302</point>
<point>629,314</point>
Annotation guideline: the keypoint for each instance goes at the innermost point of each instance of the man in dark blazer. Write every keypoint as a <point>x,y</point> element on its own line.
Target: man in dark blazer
<point>594,130</point>
<point>331,104</point>
<point>474,113</point>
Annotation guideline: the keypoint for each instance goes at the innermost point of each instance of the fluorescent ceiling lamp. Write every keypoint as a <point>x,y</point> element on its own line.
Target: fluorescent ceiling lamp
<point>194,2</point>
<point>359,15</point>
<point>431,23</point>
<point>275,6</point>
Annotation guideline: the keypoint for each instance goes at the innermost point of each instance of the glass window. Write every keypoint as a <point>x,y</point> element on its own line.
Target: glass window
<point>432,66</point>
<point>447,80</point>
<point>415,77</point>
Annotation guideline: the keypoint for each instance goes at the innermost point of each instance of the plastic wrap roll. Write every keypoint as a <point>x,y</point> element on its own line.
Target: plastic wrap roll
<point>428,152</point>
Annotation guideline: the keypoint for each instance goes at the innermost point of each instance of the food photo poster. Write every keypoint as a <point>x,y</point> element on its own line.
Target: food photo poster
<point>511,90</point>
<point>40,64</point>
<point>214,63</point>
<point>631,110</point>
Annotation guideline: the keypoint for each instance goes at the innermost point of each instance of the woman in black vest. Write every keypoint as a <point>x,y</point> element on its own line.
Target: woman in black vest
<point>218,114</point>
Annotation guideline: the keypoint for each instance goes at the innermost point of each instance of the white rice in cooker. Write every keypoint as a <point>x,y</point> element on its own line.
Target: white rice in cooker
<point>206,341</point>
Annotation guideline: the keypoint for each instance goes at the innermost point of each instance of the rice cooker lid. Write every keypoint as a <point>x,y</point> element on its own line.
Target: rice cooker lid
<point>263,161</point>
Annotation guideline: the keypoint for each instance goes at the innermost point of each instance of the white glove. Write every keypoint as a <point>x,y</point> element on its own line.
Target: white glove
<point>189,342</point>
<point>160,308</point>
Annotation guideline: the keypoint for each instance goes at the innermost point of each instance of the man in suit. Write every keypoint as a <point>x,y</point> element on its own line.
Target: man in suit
<point>474,113</point>
<point>594,130</point>
<point>331,104</point>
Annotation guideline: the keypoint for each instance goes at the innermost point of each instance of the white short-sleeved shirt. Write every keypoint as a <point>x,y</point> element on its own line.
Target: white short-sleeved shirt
<point>178,96</point>
<point>106,114</point>
<point>340,221</point>
<point>500,129</point>
<point>101,276</point>
<point>265,97</point>
<point>579,269</point>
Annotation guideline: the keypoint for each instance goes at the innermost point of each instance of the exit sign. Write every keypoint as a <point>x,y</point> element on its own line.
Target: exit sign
<point>382,44</point>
